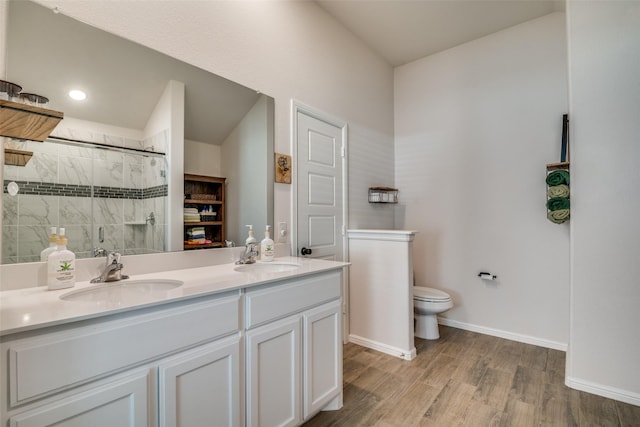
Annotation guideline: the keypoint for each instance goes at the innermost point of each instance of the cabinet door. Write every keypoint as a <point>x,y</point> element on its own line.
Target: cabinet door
<point>322,366</point>
<point>123,403</point>
<point>201,387</point>
<point>274,374</point>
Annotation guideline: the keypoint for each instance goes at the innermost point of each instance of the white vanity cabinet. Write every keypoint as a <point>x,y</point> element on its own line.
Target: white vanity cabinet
<point>261,355</point>
<point>293,350</point>
<point>139,368</point>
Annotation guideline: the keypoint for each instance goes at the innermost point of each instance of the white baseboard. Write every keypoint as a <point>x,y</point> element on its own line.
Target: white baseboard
<point>527,339</point>
<point>602,390</point>
<point>384,348</point>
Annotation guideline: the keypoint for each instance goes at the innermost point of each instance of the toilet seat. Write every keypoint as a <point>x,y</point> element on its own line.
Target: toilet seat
<point>430,295</point>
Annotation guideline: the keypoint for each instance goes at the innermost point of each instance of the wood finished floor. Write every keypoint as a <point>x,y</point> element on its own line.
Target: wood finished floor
<point>467,379</point>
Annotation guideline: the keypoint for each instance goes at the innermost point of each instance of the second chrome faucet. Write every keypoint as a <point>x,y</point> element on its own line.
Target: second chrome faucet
<point>112,271</point>
<point>250,254</point>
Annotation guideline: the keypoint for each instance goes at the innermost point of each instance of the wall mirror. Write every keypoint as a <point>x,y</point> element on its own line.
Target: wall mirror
<point>109,164</point>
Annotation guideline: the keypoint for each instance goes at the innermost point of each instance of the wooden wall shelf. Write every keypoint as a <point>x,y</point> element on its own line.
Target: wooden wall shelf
<point>207,191</point>
<point>383,195</point>
<point>27,122</point>
<point>17,157</point>
<point>557,166</point>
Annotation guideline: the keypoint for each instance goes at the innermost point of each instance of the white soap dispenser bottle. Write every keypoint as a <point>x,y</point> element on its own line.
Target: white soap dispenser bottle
<point>266,246</point>
<point>61,268</point>
<point>53,246</point>
<point>250,239</point>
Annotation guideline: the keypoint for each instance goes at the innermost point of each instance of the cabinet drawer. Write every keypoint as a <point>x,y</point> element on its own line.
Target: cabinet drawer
<point>268,303</point>
<point>39,366</point>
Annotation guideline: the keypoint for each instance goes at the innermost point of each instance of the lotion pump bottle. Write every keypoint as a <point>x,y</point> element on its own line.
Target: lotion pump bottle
<point>53,246</point>
<point>266,246</point>
<point>61,268</point>
<point>250,239</point>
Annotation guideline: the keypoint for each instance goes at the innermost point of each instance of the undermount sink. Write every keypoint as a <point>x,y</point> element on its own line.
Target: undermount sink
<point>270,267</point>
<point>123,291</point>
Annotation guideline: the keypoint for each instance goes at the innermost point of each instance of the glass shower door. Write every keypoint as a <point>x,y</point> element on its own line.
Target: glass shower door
<point>104,197</point>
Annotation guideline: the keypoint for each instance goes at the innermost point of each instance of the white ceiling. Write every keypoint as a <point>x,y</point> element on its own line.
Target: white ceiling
<point>401,31</point>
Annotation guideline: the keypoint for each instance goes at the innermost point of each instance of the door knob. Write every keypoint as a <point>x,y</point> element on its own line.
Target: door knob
<point>305,251</point>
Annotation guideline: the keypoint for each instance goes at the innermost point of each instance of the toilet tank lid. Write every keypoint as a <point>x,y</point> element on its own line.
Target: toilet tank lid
<point>430,293</point>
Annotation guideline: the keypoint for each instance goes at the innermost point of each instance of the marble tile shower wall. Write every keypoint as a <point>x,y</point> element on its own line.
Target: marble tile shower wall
<point>56,189</point>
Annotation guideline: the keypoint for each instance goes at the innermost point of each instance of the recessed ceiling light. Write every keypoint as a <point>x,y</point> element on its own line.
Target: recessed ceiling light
<point>78,95</point>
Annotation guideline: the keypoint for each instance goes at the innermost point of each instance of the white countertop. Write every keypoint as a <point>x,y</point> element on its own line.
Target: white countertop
<point>31,308</point>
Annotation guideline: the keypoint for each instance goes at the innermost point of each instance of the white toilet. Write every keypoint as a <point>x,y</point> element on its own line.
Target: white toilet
<point>427,304</point>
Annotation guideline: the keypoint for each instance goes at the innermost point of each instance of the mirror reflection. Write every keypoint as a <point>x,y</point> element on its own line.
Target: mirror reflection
<point>115,158</point>
<point>81,187</point>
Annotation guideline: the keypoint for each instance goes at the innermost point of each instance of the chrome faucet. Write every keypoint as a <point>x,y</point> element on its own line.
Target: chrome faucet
<point>99,252</point>
<point>112,271</point>
<point>250,254</point>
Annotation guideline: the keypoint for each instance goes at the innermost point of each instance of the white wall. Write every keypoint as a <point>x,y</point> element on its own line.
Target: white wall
<point>604,55</point>
<point>201,158</point>
<point>3,38</point>
<point>288,50</point>
<point>245,163</point>
<point>3,73</point>
<point>160,118</point>
<point>167,119</point>
<point>475,126</point>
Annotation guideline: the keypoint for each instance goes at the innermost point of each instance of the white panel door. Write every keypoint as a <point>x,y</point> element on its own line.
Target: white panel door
<point>322,357</point>
<point>123,403</point>
<point>320,155</point>
<point>274,374</point>
<point>201,387</point>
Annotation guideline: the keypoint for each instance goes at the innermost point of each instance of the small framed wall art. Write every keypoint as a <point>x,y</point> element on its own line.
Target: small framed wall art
<point>283,168</point>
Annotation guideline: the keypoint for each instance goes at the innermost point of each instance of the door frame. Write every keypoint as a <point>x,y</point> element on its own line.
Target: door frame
<point>300,107</point>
